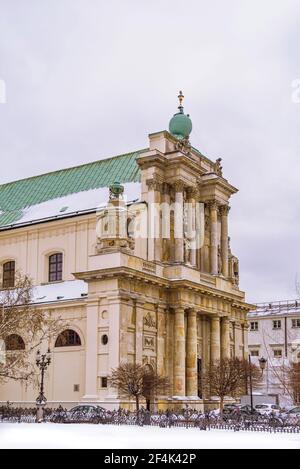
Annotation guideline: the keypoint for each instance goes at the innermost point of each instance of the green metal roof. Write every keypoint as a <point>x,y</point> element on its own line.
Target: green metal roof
<point>15,196</point>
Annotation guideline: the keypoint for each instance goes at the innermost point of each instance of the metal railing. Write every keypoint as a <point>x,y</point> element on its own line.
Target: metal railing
<point>233,421</point>
<point>286,305</point>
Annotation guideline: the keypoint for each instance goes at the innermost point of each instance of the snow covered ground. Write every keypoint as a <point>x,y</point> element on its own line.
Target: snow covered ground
<point>55,436</point>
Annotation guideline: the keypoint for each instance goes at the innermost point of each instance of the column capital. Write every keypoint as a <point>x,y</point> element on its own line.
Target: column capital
<point>139,301</point>
<point>192,192</point>
<point>178,185</point>
<point>191,311</point>
<point>161,308</point>
<point>224,210</point>
<point>215,318</point>
<point>213,204</point>
<point>155,184</point>
<point>225,319</point>
<point>118,298</point>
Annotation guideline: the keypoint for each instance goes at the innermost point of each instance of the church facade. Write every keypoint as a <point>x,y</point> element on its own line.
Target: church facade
<point>133,253</point>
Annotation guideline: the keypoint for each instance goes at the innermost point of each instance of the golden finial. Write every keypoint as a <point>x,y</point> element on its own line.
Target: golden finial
<point>181,98</point>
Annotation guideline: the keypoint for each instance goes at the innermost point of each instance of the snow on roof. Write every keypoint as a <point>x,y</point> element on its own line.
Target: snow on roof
<point>63,291</point>
<point>93,199</point>
<point>55,292</point>
<point>280,308</point>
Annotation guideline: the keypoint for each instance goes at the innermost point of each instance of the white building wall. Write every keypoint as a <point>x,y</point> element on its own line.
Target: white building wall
<point>279,346</point>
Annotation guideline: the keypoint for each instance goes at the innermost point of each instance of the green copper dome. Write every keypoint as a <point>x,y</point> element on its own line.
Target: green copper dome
<point>180,125</point>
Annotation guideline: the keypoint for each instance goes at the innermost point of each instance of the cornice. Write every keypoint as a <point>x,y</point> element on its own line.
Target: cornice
<point>129,273</point>
<point>218,181</point>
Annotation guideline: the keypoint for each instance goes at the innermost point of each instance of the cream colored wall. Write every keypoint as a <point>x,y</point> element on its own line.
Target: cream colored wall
<point>31,246</point>
<point>67,367</point>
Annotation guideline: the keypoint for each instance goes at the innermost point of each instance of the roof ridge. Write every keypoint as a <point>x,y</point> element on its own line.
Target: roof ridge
<point>73,167</point>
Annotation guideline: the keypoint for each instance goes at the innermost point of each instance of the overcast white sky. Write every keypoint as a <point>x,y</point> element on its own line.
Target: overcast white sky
<point>87,79</point>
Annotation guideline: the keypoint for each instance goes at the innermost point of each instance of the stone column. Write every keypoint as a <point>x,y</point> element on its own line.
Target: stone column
<point>245,328</point>
<point>139,317</point>
<point>154,219</point>
<point>191,355</point>
<point>179,353</point>
<point>234,338</point>
<point>161,340</point>
<point>205,352</point>
<point>224,210</point>
<point>91,355</point>
<point>192,193</point>
<point>213,237</point>
<point>114,351</point>
<point>166,222</point>
<point>170,363</point>
<point>225,338</point>
<point>178,222</point>
<point>215,339</point>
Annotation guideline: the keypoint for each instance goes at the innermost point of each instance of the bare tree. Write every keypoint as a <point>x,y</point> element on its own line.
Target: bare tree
<point>251,371</point>
<point>23,328</point>
<point>293,380</point>
<point>137,381</point>
<point>228,378</point>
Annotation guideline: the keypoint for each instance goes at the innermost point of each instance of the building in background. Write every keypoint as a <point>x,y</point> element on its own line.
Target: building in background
<point>274,334</point>
<point>161,300</point>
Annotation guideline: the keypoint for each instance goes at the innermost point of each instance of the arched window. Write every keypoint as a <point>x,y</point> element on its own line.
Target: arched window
<point>8,274</point>
<point>14,342</point>
<point>55,267</point>
<point>68,338</point>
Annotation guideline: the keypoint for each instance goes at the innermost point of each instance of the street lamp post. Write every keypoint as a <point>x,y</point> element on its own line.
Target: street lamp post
<point>42,362</point>
<point>262,364</point>
<point>251,384</point>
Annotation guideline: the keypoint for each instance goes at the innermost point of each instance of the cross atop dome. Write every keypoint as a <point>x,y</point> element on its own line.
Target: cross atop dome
<point>181,125</point>
<point>181,98</point>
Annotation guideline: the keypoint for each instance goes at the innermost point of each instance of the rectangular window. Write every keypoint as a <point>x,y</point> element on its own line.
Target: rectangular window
<point>9,274</point>
<point>103,382</point>
<point>277,324</point>
<point>278,353</point>
<point>296,323</point>
<point>254,353</point>
<point>55,267</point>
<point>76,388</point>
<point>254,326</point>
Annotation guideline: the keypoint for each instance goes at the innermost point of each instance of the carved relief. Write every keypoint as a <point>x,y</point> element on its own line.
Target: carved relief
<point>149,343</point>
<point>150,321</point>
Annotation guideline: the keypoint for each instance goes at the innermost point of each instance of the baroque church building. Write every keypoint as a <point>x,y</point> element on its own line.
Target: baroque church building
<point>133,252</point>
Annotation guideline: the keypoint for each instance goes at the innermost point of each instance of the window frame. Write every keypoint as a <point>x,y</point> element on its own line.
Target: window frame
<point>104,382</point>
<point>254,329</point>
<point>21,343</point>
<point>277,324</point>
<point>55,259</point>
<point>11,279</point>
<point>68,344</point>
<point>277,356</point>
<point>296,323</point>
